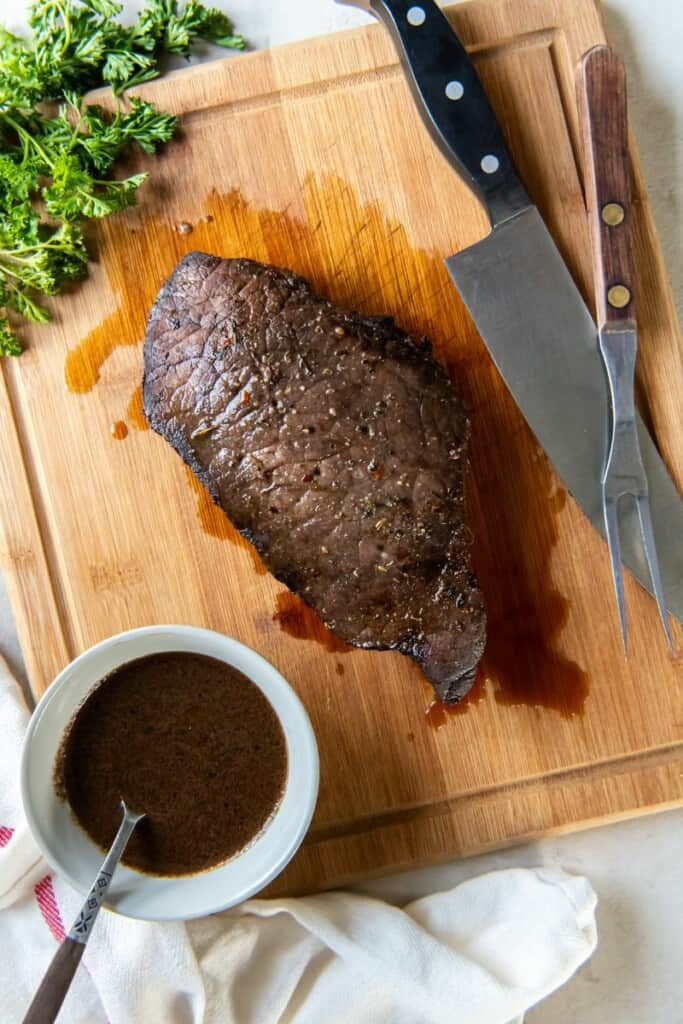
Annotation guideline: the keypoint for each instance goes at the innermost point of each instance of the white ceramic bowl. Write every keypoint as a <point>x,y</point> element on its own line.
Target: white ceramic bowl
<point>68,849</point>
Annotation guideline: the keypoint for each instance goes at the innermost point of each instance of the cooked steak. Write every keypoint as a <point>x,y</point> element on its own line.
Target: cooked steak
<point>335,444</point>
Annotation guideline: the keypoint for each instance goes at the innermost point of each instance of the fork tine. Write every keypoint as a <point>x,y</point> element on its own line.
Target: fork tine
<point>648,538</point>
<point>609,506</point>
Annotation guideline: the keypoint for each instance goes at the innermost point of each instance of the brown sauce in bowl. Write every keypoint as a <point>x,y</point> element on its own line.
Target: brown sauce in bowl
<point>185,738</point>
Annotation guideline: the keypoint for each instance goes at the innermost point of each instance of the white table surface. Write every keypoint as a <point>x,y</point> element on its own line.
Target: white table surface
<point>636,867</point>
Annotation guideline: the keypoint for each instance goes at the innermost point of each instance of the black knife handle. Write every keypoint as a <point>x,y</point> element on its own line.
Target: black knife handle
<point>452,101</point>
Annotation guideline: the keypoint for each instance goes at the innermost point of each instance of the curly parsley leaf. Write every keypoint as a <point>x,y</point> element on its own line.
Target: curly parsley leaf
<point>54,167</point>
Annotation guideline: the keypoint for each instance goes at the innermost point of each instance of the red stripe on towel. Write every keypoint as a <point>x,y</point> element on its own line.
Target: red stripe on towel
<point>45,895</point>
<point>5,835</point>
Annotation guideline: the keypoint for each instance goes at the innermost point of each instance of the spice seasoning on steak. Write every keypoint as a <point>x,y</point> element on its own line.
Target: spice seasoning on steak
<point>335,443</point>
<point>185,738</point>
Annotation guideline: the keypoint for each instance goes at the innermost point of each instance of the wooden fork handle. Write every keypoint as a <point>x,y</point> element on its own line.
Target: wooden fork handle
<point>48,999</point>
<point>601,95</point>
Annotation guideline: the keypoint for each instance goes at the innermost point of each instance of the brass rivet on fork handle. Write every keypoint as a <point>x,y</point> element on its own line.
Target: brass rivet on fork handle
<point>612,214</point>
<point>618,296</point>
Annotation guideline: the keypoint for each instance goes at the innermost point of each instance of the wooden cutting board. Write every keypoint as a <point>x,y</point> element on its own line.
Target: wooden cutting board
<point>312,156</point>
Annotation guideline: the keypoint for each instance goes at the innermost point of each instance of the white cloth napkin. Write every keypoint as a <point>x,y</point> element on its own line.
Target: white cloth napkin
<point>481,953</point>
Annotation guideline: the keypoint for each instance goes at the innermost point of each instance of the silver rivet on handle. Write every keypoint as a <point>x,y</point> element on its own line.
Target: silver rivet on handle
<point>490,163</point>
<point>416,16</point>
<point>455,90</point>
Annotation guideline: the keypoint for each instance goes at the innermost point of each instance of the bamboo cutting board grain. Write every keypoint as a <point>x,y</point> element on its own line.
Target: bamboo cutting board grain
<point>312,156</point>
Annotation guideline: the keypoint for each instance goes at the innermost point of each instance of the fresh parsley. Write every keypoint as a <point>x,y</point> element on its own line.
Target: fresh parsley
<point>55,163</point>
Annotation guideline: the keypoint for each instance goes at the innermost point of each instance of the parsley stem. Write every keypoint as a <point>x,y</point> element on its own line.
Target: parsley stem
<point>26,138</point>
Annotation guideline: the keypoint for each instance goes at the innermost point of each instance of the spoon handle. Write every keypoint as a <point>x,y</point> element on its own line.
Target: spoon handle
<point>48,999</point>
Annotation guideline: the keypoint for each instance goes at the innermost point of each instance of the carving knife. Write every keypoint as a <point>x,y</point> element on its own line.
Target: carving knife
<point>521,295</point>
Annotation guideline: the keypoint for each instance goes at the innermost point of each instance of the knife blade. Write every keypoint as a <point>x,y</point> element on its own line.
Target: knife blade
<point>520,294</point>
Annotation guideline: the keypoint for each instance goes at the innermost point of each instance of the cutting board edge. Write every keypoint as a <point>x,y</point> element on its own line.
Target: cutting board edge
<point>533,817</point>
<point>340,58</point>
<point>32,595</point>
<point>34,632</point>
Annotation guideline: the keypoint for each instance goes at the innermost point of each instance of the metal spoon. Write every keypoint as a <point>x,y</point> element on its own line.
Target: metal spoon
<point>48,999</point>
